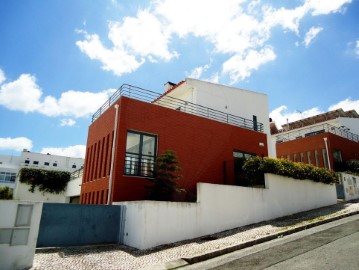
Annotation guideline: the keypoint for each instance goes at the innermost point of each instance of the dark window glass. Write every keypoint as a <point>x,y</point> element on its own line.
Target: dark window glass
<point>46,163</point>
<point>140,154</point>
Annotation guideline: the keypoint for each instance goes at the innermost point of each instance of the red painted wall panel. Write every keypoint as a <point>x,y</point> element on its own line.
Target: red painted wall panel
<point>202,145</point>
<point>348,148</point>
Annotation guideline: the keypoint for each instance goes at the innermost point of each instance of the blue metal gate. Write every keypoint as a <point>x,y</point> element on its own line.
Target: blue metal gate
<point>76,224</point>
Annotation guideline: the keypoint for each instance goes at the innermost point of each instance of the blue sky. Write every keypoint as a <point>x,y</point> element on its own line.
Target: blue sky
<point>61,59</point>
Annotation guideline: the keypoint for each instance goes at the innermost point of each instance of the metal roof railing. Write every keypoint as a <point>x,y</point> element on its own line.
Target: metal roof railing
<point>315,130</point>
<point>179,105</point>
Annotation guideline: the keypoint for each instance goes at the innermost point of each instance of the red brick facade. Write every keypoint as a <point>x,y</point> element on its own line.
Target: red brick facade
<point>349,149</point>
<point>202,147</point>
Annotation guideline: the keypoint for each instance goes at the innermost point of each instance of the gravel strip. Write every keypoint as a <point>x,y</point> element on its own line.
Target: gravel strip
<point>123,257</point>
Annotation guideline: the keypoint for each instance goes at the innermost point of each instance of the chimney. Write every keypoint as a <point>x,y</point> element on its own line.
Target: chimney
<point>168,85</point>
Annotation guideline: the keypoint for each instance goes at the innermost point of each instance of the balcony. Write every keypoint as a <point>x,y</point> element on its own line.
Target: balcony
<point>179,105</point>
<point>315,130</point>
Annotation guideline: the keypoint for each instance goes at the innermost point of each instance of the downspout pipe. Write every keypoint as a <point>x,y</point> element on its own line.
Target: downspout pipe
<point>112,156</point>
<point>326,147</point>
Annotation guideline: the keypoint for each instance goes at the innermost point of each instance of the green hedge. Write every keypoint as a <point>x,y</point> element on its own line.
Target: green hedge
<point>5,193</point>
<point>254,168</point>
<point>45,180</point>
<point>350,166</point>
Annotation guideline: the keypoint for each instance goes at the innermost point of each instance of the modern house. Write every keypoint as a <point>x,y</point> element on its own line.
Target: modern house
<point>208,126</point>
<point>11,165</point>
<point>324,140</point>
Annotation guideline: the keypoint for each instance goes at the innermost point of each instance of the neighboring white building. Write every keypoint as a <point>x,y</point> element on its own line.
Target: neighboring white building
<point>11,165</point>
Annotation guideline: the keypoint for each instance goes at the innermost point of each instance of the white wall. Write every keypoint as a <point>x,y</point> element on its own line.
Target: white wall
<point>229,100</point>
<point>22,192</point>
<point>73,188</point>
<point>352,123</point>
<point>18,256</point>
<point>63,163</point>
<point>220,208</point>
<point>351,186</point>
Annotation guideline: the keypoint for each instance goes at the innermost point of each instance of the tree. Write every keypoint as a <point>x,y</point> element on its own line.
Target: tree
<point>164,184</point>
<point>5,193</point>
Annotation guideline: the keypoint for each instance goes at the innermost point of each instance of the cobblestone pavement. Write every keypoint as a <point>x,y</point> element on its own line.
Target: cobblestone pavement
<point>123,257</point>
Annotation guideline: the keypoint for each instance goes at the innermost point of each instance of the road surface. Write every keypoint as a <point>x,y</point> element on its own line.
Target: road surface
<point>330,246</point>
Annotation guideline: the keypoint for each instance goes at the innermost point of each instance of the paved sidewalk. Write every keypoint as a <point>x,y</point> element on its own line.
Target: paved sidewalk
<point>189,251</point>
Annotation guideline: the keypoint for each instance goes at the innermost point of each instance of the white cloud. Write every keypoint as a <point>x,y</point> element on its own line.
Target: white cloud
<point>280,115</point>
<point>323,7</point>
<point>134,39</point>
<point>239,67</point>
<point>16,144</point>
<point>70,151</point>
<point>239,30</point>
<point>116,60</point>
<point>67,122</point>
<point>311,34</point>
<point>2,76</point>
<point>197,72</point>
<point>25,95</point>
<point>346,105</point>
<point>22,94</point>
<point>356,50</point>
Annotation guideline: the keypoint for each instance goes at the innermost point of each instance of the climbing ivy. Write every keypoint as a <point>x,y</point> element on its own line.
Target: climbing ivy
<point>45,180</point>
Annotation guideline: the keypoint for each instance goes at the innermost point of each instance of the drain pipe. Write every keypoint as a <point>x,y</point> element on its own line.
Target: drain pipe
<point>112,155</point>
<point>326,147</point>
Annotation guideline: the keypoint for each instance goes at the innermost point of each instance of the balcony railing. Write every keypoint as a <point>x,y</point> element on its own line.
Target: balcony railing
<point>179,105</point>
<point>76,174</point>
<point>315,130</point>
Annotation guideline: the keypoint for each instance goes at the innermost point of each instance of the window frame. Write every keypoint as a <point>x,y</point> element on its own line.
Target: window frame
<point>137,169</point>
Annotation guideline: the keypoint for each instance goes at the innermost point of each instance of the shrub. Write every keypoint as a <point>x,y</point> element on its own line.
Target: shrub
<point>45,180</point>
<point>5,193</point>
<point>255,168</point>
<point>164,184</point>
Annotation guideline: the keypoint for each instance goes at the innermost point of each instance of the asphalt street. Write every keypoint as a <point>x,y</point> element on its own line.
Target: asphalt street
<point>330,246</point>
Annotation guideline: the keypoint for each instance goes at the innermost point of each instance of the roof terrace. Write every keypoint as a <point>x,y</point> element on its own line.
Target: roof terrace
<point>155,98</point>
<point>315,130</point>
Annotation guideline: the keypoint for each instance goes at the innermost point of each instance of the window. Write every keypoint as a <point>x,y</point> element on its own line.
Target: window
<point>73,166</point>
<point>46,163</point>
<point>35,162</point>
<point>255,123</point>
<point>309,157</point>
<point>239,154</point>
<point>7,177</point>
<point>325,157</point>
<point>295,158</point>
<point>140,154</point>
<point>54,164</point>
<point>302,157</point>
<point>337,155</point>
<point>316,158</point>
<point>288,157</point>
<point>27,161</point>
<point>239,159</point>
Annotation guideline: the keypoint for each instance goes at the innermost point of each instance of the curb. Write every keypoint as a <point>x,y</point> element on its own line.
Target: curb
<point>178,263</point>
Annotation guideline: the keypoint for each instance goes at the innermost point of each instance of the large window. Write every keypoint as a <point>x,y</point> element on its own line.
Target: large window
<point>7,177</point>
<point>140,154</point>
<point>239,159</point>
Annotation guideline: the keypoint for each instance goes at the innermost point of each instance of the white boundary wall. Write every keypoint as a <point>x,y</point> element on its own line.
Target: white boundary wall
<point>18,233</point>
<point>150,223</point>
<point>351,186</point>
